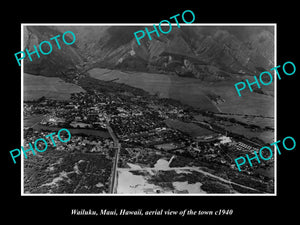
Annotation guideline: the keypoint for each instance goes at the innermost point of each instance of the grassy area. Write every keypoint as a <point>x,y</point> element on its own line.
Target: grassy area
<point>251,103</point>
<point>194,92</point>
<point>36,87</point>
<point>187,91</point>
<point>33,120</point>
<point>189,128</point>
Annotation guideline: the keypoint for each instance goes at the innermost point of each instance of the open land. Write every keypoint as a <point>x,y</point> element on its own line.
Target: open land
<point>50,87</point>
<point>194,92</point>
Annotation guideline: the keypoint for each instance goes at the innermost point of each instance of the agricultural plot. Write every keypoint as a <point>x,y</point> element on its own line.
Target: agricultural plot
<point>36,87</point>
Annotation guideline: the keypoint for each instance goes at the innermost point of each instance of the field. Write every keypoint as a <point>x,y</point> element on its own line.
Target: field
<point>32,120</point>
<point>267,135</point>
<point>51,87</point>
<point>250,103</point>
<point>165,86</point>
<point>259,120</point>
<point>231,123</point>
<point>195,92</point>
<point>189,128</point>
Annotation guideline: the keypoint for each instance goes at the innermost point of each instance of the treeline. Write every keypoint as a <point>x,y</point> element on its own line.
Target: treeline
<point>233,120</point>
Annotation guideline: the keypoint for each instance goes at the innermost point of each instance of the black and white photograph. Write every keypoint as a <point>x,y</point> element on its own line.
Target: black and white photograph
<point>146,113</point>
<point>159,116</point>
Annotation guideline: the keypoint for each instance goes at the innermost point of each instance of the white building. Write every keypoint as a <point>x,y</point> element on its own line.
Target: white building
<point>224,139</point>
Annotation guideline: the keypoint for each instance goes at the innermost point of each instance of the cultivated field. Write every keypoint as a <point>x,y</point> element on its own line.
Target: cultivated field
<point>189,128</point>
<point>165,86</point>
<point>194,92</point>
<point>36,87</point>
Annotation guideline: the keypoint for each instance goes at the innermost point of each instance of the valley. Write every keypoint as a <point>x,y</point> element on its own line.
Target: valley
<point>166,147</point>
<point>171,105</point>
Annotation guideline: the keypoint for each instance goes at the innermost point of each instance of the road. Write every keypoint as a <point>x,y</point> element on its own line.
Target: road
<point>151,170</point>
<point>117,147</point>
<point>114,174</point>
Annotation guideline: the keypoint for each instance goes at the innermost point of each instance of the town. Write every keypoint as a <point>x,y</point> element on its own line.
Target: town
<point>148,128</point>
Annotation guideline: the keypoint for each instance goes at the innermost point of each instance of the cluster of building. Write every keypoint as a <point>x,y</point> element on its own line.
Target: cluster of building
<point>160,138</point>
<point>242,147</point>
<point>136,120</point>
<point>88,144</point>
<point>135,124</point>
<point>92,110</point>
<point>77,143</point>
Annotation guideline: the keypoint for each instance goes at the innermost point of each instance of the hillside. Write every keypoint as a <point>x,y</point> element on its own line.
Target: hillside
<point>58,62</point>
<point>204,52</point>
<point>212,53</point>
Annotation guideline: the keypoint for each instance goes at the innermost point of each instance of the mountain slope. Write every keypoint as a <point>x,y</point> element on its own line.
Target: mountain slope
<point>58,62</point>
<point>191,51</point>
<point>204,52</point>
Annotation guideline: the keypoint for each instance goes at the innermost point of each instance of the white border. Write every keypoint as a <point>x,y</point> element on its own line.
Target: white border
<point>150,24</point>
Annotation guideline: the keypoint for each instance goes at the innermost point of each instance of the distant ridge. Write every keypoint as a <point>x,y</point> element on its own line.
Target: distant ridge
<point>208,53</point>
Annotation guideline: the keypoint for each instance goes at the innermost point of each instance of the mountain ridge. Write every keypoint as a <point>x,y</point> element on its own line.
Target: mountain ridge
<point>203,52</point>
